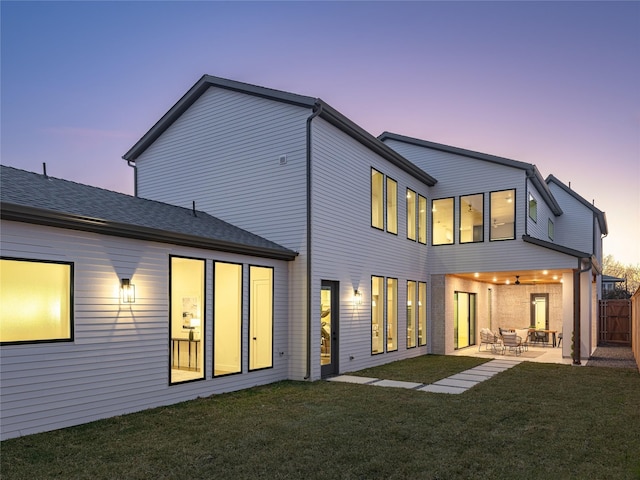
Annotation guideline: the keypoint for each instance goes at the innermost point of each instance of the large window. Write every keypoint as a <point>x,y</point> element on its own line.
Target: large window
<point>392,206</point>
<point>411,214</point>
<point>392,314</point>
<point>377,199</point>
<point>377,315</point>
<point>533,208</point>
<point>442,221</point>
<point>227,318</point>
<point>36,301</point>
<point>422,313</point>
<point>422,219</point>
<point>550,229</point>
<point>503,215</point>
<point>411,314</point>
<point>472,218</point>
<point>260,317</point>
<point>187,281</point>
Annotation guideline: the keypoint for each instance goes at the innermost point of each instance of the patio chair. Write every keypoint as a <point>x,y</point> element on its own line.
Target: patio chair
<point>540,337</point>
<point>512,342</point>
<point>487,337</point>
<point>559,339</point>
<point>523,335</point>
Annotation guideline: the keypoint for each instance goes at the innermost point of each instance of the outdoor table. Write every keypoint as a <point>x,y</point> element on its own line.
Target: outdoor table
<point>552,332</point>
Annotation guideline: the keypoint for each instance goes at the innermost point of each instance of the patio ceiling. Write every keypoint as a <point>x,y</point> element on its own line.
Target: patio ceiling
<point>526,277</point>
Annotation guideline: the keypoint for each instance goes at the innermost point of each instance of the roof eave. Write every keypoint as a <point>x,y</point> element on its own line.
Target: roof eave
<point>558,248</point>
<point>39,216</point>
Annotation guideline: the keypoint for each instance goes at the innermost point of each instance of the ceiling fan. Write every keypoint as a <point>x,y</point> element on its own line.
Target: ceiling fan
<point>497,224</point>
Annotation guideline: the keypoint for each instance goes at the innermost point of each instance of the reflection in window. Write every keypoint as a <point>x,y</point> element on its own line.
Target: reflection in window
<point>392,206</point>
<point>503,215</point>
<point>227,318</point>
<point>260,317</point>
<point>187,319</point>
<point>422,313</point>
<point>35,301</point>
<point>442,221</point>
<point>392,314</point>
<point>377,195</point>
<point>533,208</point>
<point>411,214</point>
<point>411,314</point>
<point>422,219</point>
<point>377,315</point>
<point>472,218</point>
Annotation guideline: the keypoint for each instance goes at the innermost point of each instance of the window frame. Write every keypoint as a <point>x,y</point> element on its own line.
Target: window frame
<point>491,216</point>
<point>550,229</point>
<point>213,319</point>
<point>532,204</point>
<point>249,331</point>
<point>422,314</point>
<point>71,319</point>
<point>453,221</point>
<point>393,281</point>
<point>460,216</point>
<point>422,220</point>
<point>414,314</point>
<point>411,216</point>
<point>381,201</point>
<point>394,207</point>
<point>381,291</point>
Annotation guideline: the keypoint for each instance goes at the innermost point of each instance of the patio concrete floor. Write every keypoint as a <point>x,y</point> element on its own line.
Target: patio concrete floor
<point>547,354</point>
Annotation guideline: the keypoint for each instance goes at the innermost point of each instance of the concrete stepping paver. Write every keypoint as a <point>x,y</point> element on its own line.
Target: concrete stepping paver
<point>454,384</point>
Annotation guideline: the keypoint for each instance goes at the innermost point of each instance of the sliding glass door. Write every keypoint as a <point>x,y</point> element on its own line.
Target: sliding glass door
<point>464,326</point>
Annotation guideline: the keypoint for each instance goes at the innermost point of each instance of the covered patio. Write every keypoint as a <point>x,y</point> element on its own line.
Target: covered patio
<point>539,354</point>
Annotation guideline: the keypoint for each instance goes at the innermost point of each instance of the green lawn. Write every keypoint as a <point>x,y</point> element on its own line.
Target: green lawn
<point>532,421</point>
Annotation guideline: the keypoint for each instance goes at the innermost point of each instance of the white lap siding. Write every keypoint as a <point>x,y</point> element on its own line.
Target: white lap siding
<point>119,359</point>
<point>346,248</point>
<point>224,153</point>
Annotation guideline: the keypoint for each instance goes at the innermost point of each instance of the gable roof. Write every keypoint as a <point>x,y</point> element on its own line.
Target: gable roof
<point>600,215</point>
<point>39,199</point>
<point>530,169</point>
<point>326,112</point>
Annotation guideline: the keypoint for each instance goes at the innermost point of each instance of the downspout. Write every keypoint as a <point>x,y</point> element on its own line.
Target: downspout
<point>576,309</point>
<point>317,110</point>
<point>135,177</point>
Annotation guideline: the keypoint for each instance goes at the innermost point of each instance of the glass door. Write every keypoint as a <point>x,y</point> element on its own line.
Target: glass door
<point>464,327</point>
<point>328,328</point>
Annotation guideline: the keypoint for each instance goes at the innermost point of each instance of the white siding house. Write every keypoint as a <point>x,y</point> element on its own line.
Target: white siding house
<point>272,238</point>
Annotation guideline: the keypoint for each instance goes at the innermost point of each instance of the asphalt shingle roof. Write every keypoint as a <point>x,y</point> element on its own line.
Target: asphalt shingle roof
<point>95,209</point>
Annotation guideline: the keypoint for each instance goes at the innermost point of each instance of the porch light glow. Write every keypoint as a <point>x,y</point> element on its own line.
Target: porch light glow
<point>507,282</point>
<point>476,274</point>
<point>357,297</point>
<point>545,272</point>
<point>128,291</point>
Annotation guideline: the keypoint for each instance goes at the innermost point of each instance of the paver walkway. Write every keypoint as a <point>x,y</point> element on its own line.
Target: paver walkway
<point>455,384</point>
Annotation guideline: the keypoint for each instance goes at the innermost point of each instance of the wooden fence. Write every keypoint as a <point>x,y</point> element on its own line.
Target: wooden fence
<point>614,325</point>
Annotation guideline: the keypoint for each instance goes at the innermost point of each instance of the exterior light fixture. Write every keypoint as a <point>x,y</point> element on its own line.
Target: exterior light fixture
<point>357,297</point>
<point>127,291</point>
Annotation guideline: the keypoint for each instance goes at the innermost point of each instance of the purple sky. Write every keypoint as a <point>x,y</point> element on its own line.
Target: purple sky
<point>551,83</point>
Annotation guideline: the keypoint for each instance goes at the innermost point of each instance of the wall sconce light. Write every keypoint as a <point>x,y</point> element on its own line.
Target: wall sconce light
<point>357,297</point>
<point>128,291</point>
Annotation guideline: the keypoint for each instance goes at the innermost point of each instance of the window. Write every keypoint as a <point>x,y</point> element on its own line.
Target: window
<point>422,313</point>
<point>392,206</point>
<point>411,214</point>
<point>503,215</point>
<point>260,317</point>
<point>422,219</point>
<point>377,315</point>
<point>377,199</point>
<point>550,229</point>
<point>227,318</point>
<point>36,301</point>
<point>533,208</point>
<point>411,314</point>
<point>392,314</point>
<point>186,318</point>
<point>472,218</point>
<point>442,221</point>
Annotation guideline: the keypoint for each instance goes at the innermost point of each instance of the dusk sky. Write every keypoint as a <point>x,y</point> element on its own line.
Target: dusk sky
<point>550,83</point>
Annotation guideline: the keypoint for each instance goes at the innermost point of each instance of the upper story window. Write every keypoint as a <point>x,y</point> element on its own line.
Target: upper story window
<point>392,206</point>
<point>472,218</point>
<point>533,208</point>
<point>550,229</point>
<point>442,221</point>
<point>377,199</point>
<point>503,215</point>
<point>36,301</point>
<point>422,219</point>
<point>411,214</point>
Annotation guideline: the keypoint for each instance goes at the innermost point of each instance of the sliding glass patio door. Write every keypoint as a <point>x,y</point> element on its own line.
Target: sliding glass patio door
<point>464,326</point>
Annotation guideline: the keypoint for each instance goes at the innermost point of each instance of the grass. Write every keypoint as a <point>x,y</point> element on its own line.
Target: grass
<point>532,421</point>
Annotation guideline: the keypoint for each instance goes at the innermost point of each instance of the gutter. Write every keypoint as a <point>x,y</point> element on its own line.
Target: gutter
<point>317,110</point>
<point>133,165</point>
